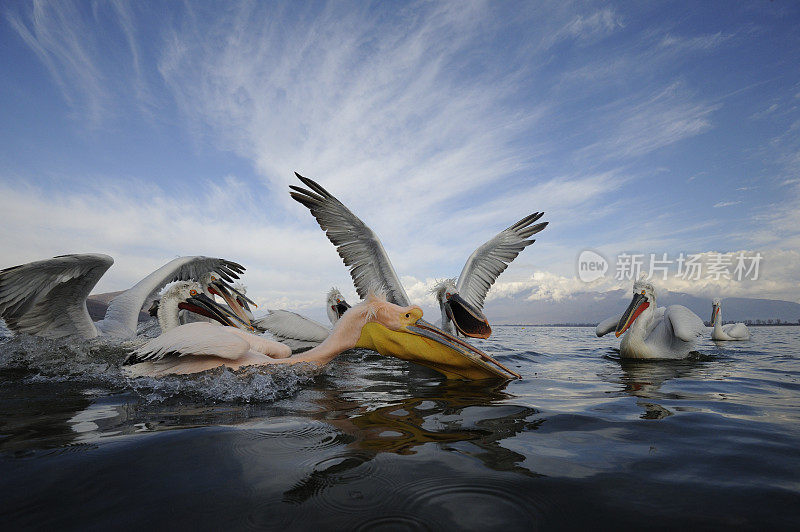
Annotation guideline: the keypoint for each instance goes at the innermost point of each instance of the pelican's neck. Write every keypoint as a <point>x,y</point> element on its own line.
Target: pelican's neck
<point>333,316</point>
<point>718,320</point>
<point>168,314</point>
<point>447,323</point>
<point>344,336</point>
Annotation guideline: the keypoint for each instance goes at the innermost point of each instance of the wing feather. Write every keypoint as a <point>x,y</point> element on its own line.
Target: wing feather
<point>685,324</point>
<point>286,324</point>
<point>358,245</point>
<point>490,260</point>
<point>123,311</point>
<point>198,338</point>
<point>607,325</point>
<point>48,297</point>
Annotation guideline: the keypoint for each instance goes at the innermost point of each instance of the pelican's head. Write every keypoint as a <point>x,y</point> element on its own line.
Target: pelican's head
<point>188,295</point>
<point>644,296</point>
<point>336,305</point>
<point>465,316</point>
<point>213,285</point>
<point>716,304</point>
<point>401,332</point>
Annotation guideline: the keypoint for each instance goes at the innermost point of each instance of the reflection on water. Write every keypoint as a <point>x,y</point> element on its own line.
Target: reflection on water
<point>584,440</point>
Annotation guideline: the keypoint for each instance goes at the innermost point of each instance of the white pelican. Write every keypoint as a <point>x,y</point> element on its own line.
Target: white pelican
<point>731,331</point>
<point>299,331</point>
<point>653,332</point>
<point>208,342</point>
<point>460,302</point>
<point>48,297</point>
<point>373,324</point>
<point>211,285</point>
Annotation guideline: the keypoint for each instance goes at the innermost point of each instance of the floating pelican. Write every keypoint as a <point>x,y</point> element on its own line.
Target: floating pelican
<point>731,331</point>
<point>460,302</point>
<point>373,324</point>
<point>48,297</point>
<point>299,331</point>
<point>210,344</point>
<point>653,332</point>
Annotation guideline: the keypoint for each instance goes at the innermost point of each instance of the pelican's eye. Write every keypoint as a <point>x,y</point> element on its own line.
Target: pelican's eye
<point>408,315</point>
<point>338,300</point>
<point>642,292</point>
<point>192,292</point>
<point>213,278</point>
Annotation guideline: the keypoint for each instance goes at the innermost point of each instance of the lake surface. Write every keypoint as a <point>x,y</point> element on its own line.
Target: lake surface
<point>370,443</point>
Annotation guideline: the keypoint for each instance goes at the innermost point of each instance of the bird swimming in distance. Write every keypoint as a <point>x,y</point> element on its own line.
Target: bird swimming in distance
<point>729,332</point>
<point>460,301</point>
<point>650,332</point>
<point>48,297</point>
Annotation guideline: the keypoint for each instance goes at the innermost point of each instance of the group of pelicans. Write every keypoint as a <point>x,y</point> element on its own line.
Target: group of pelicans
<point>48,298</point>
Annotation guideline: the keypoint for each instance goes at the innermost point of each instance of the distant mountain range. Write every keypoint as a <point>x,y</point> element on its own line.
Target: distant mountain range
<point>593,307</point>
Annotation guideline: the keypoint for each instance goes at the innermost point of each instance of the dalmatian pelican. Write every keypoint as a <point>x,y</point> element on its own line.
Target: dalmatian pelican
<point>210,345</point>
<point>48,297</point>
<point>650,332</point>
<point>374,324</point>
<point>461,302</point>
<point>731,331</point>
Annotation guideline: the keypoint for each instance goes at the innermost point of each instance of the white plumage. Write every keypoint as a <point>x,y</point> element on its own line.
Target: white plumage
<point>728,332</point>
<point>650,332</point>
<point>48,297</point>
<point>370,267</point>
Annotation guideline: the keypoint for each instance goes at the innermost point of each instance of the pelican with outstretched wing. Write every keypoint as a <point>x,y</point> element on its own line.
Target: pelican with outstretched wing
<point>48,297</point>
<point>461,302</point>
<point>652,332</point>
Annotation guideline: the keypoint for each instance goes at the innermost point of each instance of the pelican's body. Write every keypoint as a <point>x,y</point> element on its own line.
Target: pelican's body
<point>650,332</point>
<point>373,324</point>
<point>729,332</point>
<point>210,344</point>
<point>48,297</point>
<point>361,249</point>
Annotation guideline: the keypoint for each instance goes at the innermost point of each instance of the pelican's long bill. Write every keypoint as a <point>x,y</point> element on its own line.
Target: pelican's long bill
<point>236,304</point>
<point>425,344</point>
<point>205,306</point>
<point>340,307</point>
<point>468,319</point>
<point>638,305</point>
<point>714,311</point>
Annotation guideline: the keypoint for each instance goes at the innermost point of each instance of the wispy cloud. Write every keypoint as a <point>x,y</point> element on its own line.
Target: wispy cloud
<point>726,203</point>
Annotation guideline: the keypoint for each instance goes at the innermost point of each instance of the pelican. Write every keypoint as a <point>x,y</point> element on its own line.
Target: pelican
<point>731,331</point>
<point>460,302</point>
<point>208,342</point>
<point>652,332</point>
<point>48,297</point>
<point>299,331</point>
<point>373,324</point>
<point>237,302</point>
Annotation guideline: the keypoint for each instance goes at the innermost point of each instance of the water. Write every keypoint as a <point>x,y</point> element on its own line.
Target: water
<point>370,443</point>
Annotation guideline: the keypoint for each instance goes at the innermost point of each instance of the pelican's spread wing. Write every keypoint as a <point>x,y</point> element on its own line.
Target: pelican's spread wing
<point>685,324</point>
<point>198,338</point>
<point>357,244</point>
<point>48,297</point>
<point>608,325</point>
<point>123,312</point>
<point>488,261</point>
<point>286,324</point>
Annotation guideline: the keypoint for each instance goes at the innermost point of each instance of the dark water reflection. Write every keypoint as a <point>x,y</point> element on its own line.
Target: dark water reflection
<point>584,440</point>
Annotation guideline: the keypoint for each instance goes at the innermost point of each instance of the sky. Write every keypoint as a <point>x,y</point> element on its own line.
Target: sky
<point>151,130</point>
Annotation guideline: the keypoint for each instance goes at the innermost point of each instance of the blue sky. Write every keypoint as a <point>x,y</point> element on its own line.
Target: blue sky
<point>151,130</point>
